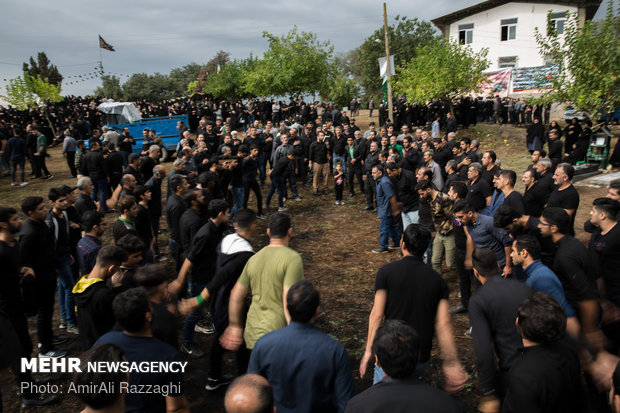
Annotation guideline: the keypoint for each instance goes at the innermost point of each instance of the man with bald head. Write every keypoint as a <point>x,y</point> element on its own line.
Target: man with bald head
<point>250,393</point>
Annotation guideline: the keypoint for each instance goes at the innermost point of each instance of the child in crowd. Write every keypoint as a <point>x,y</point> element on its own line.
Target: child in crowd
<point>339,183</point>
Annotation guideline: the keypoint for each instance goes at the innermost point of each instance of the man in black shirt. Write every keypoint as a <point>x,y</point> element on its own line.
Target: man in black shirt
<point>534,197</point>
<point>85,202</point>
<point>113,165</point>
<point>604,252</point>
<point>149,162</point>
<point>492,313</point>
<point>372,159</point>
<point>547,377</point>
<point>155,204</point>
<point>354,154</point>
<point>125,145</point>
<point>174,209</point>
<point>555,148</point>
<point>14,275</point>
<point>479,192</point>
<point>191,220</point>
<point>411,291</point>
<point>93,167</point>
<point>565,195</point>
<point>489,168</point>
<point>506,184</point>
<point>319,156</point>
<point>201,260</point>
<point>133,167</point>
<point>571,265</point>
<point>36,243</point>
<point>408,197</point>
<point>396,346</point>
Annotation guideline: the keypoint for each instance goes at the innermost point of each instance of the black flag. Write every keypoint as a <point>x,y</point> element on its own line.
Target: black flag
<point>104,45</point>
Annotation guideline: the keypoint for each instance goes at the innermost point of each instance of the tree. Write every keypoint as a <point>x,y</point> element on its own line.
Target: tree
<point>295,63</point>
<point>41,67</point>
<point>229,83</point>
<point>150,87</point>
<point>442,70</point>
<point>405,37</point>
<point>588,60</point>
<point>27,90</point>
<point>342,90</point>
<point>110,88</point>
<point>180,77</point>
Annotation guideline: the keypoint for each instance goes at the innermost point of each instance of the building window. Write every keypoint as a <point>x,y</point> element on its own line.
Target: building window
<point>466,33</point>
<point>507,61</point>
<point>557,23</point>
<point>548,61</point>
<point>509,29</point>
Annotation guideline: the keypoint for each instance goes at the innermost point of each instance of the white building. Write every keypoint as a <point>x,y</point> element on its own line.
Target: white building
<point>506,28</point>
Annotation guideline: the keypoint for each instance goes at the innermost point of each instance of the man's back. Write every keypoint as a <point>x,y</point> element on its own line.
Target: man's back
<point>492,313</point>
<point>414,291</point>
<point>147,349</point>
<point>308,370</point>
<point>265,274</point>
<point>402,396</point>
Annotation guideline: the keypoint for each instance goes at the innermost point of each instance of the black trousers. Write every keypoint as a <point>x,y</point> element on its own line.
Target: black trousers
<point>353,172</point>
<point>46,294</point>
<point>370,188</point>
<point>252,185</point>
<point>71,163</point>
<point>41,167</point>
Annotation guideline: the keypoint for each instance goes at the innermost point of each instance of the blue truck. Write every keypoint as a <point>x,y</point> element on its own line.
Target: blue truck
<point>119,115</point>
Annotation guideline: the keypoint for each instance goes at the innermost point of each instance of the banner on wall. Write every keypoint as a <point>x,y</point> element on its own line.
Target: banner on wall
<point>526,79</point>
<point>497,83</point>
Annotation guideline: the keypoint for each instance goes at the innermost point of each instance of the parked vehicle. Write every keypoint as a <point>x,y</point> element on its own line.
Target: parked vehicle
<point>119,115</point>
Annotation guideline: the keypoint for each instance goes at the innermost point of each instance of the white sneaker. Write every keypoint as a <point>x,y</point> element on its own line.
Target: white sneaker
<point>23,184</point>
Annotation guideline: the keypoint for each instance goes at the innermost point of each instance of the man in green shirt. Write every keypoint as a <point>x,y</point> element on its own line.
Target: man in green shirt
<point>268,275</point>
<point>41,152</point>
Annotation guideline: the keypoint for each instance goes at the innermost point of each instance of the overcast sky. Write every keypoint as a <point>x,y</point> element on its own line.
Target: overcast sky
<point>157,36</point>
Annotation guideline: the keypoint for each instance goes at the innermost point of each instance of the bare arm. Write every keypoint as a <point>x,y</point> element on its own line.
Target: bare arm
<point>175,286</point>
<point>233,335</point>
<point>284,294</point>
<point>469,250</point>
<point>453,371</point>
<point>178,404</point>
<point>376,317</point>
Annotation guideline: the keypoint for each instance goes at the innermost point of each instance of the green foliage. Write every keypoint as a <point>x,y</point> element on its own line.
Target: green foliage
<point>26,90</point>
<point>150,87</point>
<point>405,37</point>
<point>41,67</point>
<point>110,88</point>
<point>229,83</point>
<point>294,64</point>
<point>442,70</point>
<point>589,62</point>
<point>343,89</point>
<point>181,76</point>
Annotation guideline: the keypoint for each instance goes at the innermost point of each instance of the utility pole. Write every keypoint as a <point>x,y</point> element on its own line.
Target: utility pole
<point>389,69</point>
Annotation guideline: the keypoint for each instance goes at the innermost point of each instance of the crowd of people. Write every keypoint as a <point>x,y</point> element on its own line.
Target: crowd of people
<point>543,307</point>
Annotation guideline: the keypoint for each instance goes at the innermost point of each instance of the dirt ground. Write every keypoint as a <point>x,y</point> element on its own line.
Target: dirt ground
<point>335,242</point>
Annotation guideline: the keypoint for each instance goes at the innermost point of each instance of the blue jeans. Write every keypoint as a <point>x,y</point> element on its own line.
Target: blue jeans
<point>379,374</point>
<point>387,228</point>
<point>100,189</point>
<point>340,158</point>
<point>65,287</point>
<point>193,317</point>
<point>411,217</point>
<point>237,194</point>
